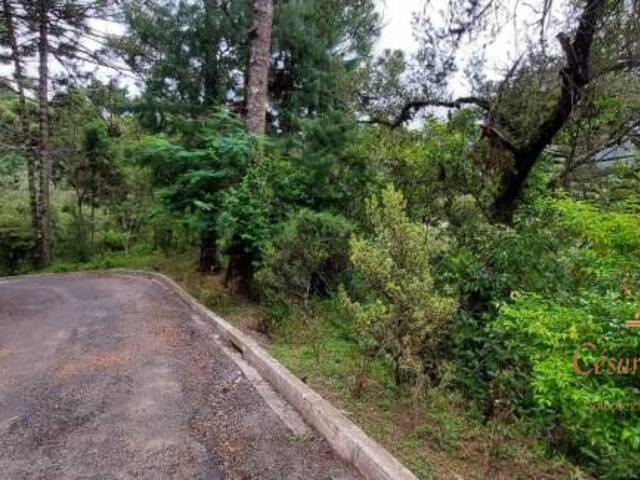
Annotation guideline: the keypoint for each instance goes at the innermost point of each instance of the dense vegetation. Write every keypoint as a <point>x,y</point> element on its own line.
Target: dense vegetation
<point>455,250</point>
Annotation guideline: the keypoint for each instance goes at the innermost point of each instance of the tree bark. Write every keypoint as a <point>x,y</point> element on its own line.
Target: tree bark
<point>208,252</point>
<point>210,75</point>
<point>25,138</point>
<point>575,76</point>
<point>43,238</point>
<point>240,266</point>
<point>259,63</point>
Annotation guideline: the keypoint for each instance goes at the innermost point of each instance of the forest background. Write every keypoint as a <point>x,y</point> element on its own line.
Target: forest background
<point>421,236</point>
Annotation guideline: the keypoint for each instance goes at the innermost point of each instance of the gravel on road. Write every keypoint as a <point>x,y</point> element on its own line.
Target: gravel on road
<point>108,376</point>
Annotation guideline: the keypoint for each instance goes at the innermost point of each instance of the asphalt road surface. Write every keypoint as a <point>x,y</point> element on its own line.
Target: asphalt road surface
<point>110,377</point>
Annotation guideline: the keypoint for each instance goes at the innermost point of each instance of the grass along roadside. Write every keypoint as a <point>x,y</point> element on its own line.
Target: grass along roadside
<point>438,435</point>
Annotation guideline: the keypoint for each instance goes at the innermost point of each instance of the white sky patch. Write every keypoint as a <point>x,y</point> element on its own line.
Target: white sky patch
<point>397,31</point>
<point>114,67</point>
<point>501,52</point>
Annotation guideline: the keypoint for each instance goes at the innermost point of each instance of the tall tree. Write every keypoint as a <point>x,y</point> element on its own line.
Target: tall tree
<point>25,136</point>
<point>56,31</point>
<point>194,55</point>
<point>539,96</point>
<point>319,49</point>
<point>43,253</point>
<point>575,76</point>
<point>259,63</point>
<point>190,55</point>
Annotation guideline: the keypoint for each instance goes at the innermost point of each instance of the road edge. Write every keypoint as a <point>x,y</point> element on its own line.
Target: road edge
<point>369,458</point>
<point>347,440</point>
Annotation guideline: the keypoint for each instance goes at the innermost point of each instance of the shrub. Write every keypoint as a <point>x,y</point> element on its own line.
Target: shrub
<point>76,241</point>
<point>114,241</point>
<point>15,234</point>
<point>544,329</point>
<point>305,258</point>
<point>401,314</point>
<point>253,210</point>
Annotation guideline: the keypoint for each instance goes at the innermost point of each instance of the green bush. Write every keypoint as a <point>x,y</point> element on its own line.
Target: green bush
<point>487,264</point>
<point>114,241</point>
<point>76,241</point>
<point>253,210</point>
<point>305,258</point>
<point>401,315</point>
<point>591,416</point>
<point>16,242</point>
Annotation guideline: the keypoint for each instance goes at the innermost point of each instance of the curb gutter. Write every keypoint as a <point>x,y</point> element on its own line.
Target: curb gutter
<point>347,440</point>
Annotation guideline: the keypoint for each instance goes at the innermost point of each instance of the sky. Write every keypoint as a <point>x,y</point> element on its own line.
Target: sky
<point>397,33</point>
<point>396,21</point>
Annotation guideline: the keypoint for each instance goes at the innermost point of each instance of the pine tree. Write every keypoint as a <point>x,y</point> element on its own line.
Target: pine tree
<point>259,63</point>
<point>49,30</point>
<point>24,140</point>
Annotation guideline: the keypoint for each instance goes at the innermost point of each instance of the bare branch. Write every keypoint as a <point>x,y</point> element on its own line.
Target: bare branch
<point>411,108</point>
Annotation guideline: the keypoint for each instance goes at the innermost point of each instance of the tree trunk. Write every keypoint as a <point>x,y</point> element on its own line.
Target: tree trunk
<point>210,75</point>
<point>575,76</point>
<point>43,237</point>
<point>25,138</point>
<point>260,60</point>
<point>92,231</point>
<point>240,267</point>
<point>208,252</point>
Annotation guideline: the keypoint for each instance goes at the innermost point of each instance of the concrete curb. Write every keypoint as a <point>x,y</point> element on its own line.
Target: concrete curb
<point>348,441</point>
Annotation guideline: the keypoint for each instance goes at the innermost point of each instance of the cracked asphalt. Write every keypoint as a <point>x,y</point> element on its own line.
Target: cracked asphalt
<point>108,377</point>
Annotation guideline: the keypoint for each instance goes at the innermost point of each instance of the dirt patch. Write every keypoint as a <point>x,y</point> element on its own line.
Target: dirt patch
<point>4,353</point>
<point>110,362</point>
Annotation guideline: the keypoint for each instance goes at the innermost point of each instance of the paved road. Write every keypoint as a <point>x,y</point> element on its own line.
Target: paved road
<point>110,377</point>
